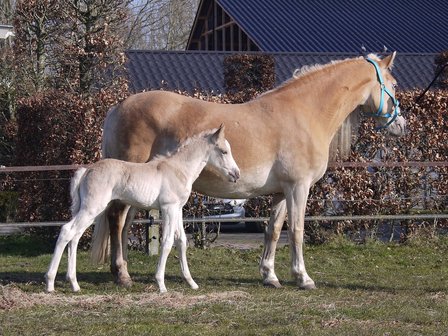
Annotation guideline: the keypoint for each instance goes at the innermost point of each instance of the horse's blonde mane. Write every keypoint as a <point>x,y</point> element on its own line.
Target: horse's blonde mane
<point>306,70</point>
<point>342,141</point>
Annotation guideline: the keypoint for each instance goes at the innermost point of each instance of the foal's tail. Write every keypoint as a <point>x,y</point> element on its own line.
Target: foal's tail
<point>100,240</point>
<point>74,190</point>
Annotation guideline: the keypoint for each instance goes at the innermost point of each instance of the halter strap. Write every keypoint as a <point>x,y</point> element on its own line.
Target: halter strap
<point>384,89</point>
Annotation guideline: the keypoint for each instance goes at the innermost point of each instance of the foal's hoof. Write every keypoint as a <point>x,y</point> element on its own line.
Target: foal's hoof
<point>272,283</point>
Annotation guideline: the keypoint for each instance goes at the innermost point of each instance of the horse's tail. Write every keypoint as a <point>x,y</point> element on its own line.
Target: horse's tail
<point>108,123</point>
<point>74,190</point>
<point>100,240</point>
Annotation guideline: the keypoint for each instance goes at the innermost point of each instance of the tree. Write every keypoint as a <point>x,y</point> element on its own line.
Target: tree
<point>35,25</point>
<point>6,11</point>
<point>441,62</point>
<point>77,64</point>
<point>7,89</point>
<point>159,24</point>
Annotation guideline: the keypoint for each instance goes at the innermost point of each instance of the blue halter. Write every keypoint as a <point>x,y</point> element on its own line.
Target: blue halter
<point>384,89</point>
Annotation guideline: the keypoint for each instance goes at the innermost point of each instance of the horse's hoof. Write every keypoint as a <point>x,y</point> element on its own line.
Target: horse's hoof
<point>126,283</point>
<point>308,286</point>
<point>272,284</point>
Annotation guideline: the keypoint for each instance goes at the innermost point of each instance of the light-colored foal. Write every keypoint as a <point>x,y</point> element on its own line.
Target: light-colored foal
<point>164,183</point>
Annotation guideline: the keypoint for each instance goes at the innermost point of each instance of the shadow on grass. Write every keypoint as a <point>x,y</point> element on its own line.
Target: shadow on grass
<point>24,245</point>
<point>393,289</point>
<point>37,277</point>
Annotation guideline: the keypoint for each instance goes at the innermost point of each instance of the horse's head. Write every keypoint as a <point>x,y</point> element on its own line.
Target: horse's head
<point>221,158</point>
<point>383,105</point>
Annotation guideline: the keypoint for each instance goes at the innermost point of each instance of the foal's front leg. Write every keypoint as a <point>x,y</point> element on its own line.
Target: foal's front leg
<point>170,216</point>
<point>182,248</point>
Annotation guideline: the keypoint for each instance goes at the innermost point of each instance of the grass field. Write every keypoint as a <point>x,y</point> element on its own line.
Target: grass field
<point>370,289</point>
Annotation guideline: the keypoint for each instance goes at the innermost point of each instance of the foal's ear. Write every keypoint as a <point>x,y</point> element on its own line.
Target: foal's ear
<point>219,134</point>
<point>388,62</point>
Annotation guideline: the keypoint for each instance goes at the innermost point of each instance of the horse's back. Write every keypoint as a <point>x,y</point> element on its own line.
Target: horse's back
<point>158,119</point>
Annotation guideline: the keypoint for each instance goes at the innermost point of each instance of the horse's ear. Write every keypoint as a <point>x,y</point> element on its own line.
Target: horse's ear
<point>388,61</point>
<point>218,134</point>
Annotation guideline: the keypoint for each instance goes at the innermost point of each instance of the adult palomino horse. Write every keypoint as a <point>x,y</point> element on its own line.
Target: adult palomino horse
<point>163,183</point>
<point>280,141</point>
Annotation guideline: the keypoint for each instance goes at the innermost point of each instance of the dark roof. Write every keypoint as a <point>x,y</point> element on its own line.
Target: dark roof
<point>406,26</point>
<point>190,70</point>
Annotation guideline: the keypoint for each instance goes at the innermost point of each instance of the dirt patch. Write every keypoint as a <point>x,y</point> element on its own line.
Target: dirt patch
<point>12,297</point>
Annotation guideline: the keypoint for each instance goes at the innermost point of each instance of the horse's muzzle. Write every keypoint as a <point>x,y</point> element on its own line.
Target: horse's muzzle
<point>398,127</point>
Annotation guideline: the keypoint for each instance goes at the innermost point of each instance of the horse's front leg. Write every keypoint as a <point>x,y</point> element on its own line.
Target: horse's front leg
<point>271,236</point>
<point>181,241</point>
<point>116,214</point>
<point>296,197</point>
<point>170,216</point>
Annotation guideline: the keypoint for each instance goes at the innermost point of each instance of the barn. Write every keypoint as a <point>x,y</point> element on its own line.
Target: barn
<point>297,33</point>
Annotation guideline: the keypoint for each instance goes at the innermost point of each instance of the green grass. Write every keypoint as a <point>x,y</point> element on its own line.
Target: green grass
<point>371,289</point>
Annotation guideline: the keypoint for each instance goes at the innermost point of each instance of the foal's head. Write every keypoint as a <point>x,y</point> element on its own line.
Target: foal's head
<point>383,105</point>
<point>221,158</point>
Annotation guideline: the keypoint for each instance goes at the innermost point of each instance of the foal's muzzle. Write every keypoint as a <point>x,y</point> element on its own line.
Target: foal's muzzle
<point>234,175</point>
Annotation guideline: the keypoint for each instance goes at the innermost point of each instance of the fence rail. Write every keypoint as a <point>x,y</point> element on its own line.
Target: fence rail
<point>417,164</point>
<point>249,219</point>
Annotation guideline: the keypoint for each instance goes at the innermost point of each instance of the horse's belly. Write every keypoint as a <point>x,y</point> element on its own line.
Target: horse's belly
<point>251,184</point>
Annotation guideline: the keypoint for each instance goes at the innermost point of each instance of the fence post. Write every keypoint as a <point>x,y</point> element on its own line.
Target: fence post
<point>152,235</point>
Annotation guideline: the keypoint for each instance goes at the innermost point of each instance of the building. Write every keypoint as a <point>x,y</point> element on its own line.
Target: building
<point>297,33</point>
<point>5,33</point>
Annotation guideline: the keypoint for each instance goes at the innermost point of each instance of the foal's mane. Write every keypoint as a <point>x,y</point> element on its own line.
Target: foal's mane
<point>183,144</point>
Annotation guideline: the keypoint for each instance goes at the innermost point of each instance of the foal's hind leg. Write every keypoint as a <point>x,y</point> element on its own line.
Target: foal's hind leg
<point>182,248</point>
<point>116,214</point>
<point>271,236</point>
<point>72,250</point>
<point>67,233</point>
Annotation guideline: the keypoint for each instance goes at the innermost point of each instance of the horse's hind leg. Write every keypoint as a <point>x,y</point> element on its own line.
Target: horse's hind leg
<point>182,248</point>
<point>124,232</point>
<point>116,214</point>
<point>271,236</point>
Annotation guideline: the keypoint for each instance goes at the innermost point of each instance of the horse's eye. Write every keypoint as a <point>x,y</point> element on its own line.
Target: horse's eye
<point>223,152</point>
<point>394,86</point>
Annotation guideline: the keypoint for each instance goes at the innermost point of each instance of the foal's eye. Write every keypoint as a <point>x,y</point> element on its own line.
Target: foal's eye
<point>223,152</point>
